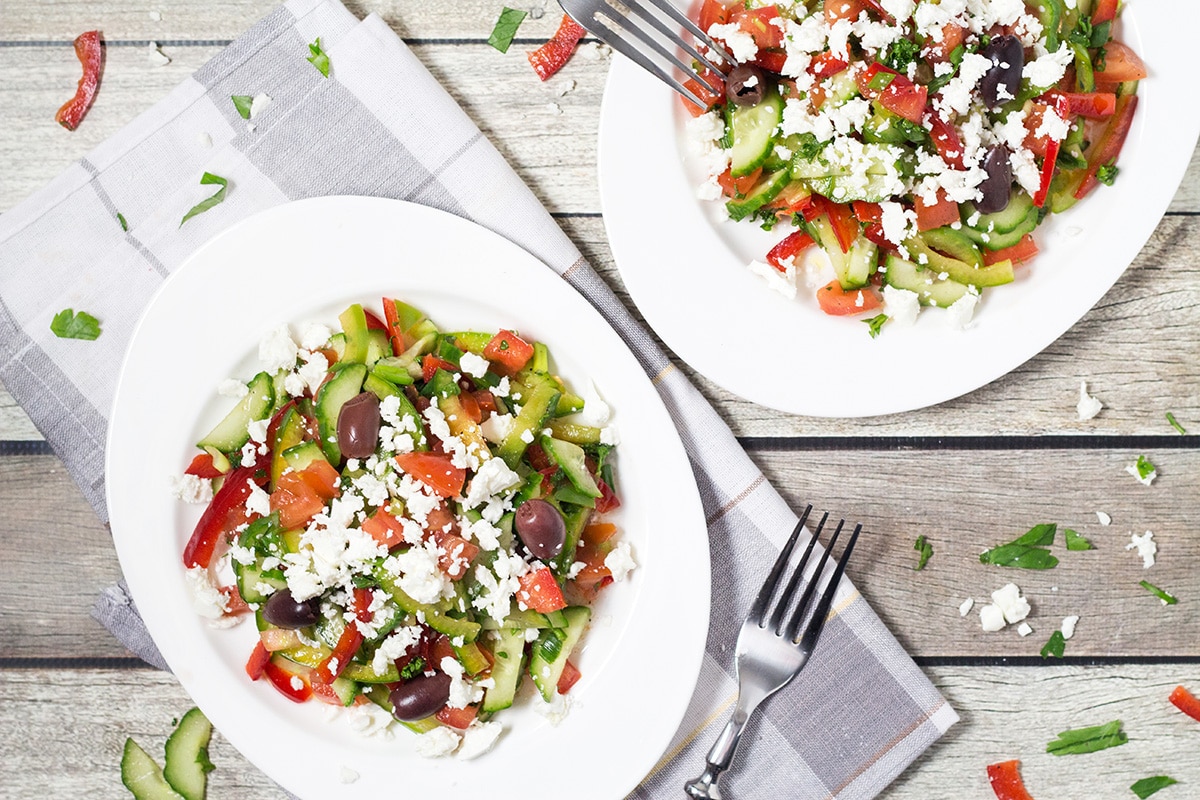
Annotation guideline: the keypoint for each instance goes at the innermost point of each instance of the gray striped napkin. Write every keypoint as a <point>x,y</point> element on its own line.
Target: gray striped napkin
<point>381,125</point>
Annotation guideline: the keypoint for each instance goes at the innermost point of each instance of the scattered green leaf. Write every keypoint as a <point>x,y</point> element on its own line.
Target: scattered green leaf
<point>242,103</point>
<point>1107,174</point>
<point>923,547</point>
<point>808,146</point>
<point>875,323</point>
<point>204,205</point>
<point>319,58</point>
<point>1088,740</point>
<point>1144,468</point>
<point>413,668</point>
<point>900,53</point>
<point>121,219</point>
<point>1148,786</point>
<point>1167,598</point>
<point>1056,646</point>
<point>69,325</point>
<point>1026,552</point>
<point>1175,424</point>
<point>1076,541</point>
<point>506,28</point>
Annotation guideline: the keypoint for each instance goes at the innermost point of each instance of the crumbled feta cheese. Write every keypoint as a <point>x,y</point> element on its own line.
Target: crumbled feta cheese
<point>1088,406</point>
<point>259,104</point>
<point>258,430</point>
<point>1047,70</point>
<point>462,691</point>
<point>497,427</point>
<point>959,313</point>
<point>231,387</point>
<point>740,44</point>
<point>479,738</point>
<point>277,351</point>
<point>190,488</point>
<point>419,574</point>
<point>347,775</point>
<point>441,741</point>
<point>207,600</point>
<point>492,478</point>
<point>620,561</point>
<point>595,412</point>
<point>1103,518</point>
<point>315,336</point>
<point>1145,547</point>
<point>898,222</point>
<point>473,365</point>
<point>782,282</point>
<point>991,618</point>
<point>609,436</point>
<point>901,306</point>
<point>966,606</point>
<point>1132,469</point>
<point>556,710</point>
<point>1068,625</point>
<point>258,502</point>
<point>1024,629</point>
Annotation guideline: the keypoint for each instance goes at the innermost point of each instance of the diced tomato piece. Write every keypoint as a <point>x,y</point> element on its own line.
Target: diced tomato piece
<point>1093,105</point>
<point>866,79</point>
<point>509,350</point>
<point>594,575</point>
<point>282,679</point>
<point>326,694</point>
<point>825,64</point>
<point>374,323</point>
<point>1186,702</point>
<point>296,501</point>
<point>234,604</point>
<point>384,528</point>
<point>701,89</point>
<point>435,471</point>
<point>257,661</point>
<point>716,12</point>
<point>431,364</point>
<point>1104,11</point>
<point>471,407</point>
<point>952,38</point>
<point>738,187</point>
<point>874,233</point>
<point>440,648</point>
<point>348,643</point>
<point>550,57</point>
<point>839,303</point>
<point>905,98</point>
<point>1108,147</point>
<point>878,8</point>
<point>570,676</point>
<point>1020,253</point>
<point>787,250</point>
<point>202,467</point>
<point>539,591</point>
<point>323,478</point>
<point>941,213</point>
<point>758,23</point>
<point>771,60</point>
<point>1033,121</point>
<point>456,553</point>
<point>1120,64</point>
<point>867,212</point>
<point>486,401</point>
<point>840,215</point>
<point>1006,781</point>
<point>946,140</point>
<point>460,718</point>
<point>843,9</point>
<point>229,503</point>
<point>537,457</point>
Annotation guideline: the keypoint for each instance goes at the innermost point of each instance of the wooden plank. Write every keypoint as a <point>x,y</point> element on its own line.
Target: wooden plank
<point>964,502</point>
<point>66,729</point>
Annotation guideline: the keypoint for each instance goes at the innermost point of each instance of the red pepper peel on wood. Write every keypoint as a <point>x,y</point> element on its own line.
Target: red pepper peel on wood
<point>1005,778</point>
<point>90,50</point>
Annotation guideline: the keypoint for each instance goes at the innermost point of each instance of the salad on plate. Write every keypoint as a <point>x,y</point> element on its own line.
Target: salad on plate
<point>917,145</point>
<point>415,520</point>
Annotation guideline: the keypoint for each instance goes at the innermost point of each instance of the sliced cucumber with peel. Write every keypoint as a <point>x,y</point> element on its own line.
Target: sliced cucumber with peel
<point>187,766</point>
<point>931,290</point>
<point>763,192</point>
<point>548,655</point>
<point>231,433</point>
<point>143,777</point>
<point>754,129</point>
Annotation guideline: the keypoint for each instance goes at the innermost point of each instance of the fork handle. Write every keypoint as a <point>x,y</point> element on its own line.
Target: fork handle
<point>720,756</point>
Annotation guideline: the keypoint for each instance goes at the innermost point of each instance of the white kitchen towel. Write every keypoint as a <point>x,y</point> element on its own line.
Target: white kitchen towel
<point>381,125</point>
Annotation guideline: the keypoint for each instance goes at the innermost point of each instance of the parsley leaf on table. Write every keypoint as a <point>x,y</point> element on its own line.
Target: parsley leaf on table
<point>319,58</point>
<point>215,200</point>
<point>1167,598</point>
<point>121,219</point>
<point>1088,740</point>
<point>506,28</point>
<point>923,547</point>
<point>1056,646</point>
<point>1076,541</point>
<point>69,325</point>
<point>243,102</point>
<point>1175,424</point>
<point>1027,551</point>
<point>1148,786</point>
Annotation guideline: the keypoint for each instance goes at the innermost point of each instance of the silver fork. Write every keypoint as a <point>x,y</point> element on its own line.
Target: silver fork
<point>772,650</point>
<point>647,33</point>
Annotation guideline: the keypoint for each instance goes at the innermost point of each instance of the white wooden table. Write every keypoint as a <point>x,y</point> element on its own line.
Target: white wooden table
<point>967,474</point>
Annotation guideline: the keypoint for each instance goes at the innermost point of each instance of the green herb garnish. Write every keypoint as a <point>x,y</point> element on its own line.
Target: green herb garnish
<point>1175,424</point>
<point>1082,33</point>
<point>1076,541</point>
<point>1148,786</point>
<point>69,325</point>
<point>900,53</point>
<point>204,205</point>
<point>413,668</point>
<point>124,224</point>
<point>1167,598</point>
<point>1107,174</point>
<point>875,323</point>
<point>923,547</point>
<point>808,146</point>
<point>506,28</point>
<point>1056,646</point>
<point>1027,552</point>
<point>1144,469</point>
<point>242,102</point>
<point>319,58</point>
<point>1088,740</point>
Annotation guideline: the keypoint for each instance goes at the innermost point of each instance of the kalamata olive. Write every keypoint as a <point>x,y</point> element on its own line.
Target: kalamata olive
<point>746,85</point>
<point>284,611</point>
<point>1000,83</point>
<point>541,528</point>
<point>420,697</point>
<point>923,74</point>
<point>358,426</point>
<point>997,186</point>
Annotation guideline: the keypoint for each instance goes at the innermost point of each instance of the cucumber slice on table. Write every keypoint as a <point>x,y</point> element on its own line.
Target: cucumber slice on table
<point>754,131</point>
<point>187,766</point>
<point>142,776</point>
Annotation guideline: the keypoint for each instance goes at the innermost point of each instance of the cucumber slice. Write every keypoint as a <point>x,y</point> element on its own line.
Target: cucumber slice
<point>993,275</point>
<point>1011,217</point>
<point>187,766</point>
<point>345,384</point>
<point>754,132</point>
<point>539,403</point>
<point>830,244</point>
<point>573,461</point>
<point>955,244</point>
<point>250,576</point>
<point>142,775</point>
<point>354,325</point>
<point>509,651</point>
<point>573,432</point>
<point>998,240</point>
<point>763,192</point>
<point>290,433</point>
<point>860,265</point>
<point>231,433</point>
<point>548,655</point>
<point>931,290</point>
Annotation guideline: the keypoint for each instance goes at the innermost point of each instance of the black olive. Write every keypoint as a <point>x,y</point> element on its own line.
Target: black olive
<point>541,528</point>
<point>746,85</point>
<point>997,186</point>
<point>358,426</point>
<point>1008,58</point>
<point>284,611</point>
<point>421,697</point>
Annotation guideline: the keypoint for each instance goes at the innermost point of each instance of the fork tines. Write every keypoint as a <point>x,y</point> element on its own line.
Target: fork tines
<point>788,625</point>
<point>647,33</point>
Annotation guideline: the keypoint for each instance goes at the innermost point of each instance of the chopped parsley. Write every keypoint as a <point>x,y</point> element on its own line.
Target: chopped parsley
<point>1175,424</point>
<point>69,325</point>
<point>204,205</point>
<point>1148,786</point>
<point>1107,174</point>
<point>809,147</point>
<point>1167,598</point>
<point>319,58</point>
<point>1088,740</point>
<point>923,547</point>
<point>1076,541</point>
<point>1027,552</point>
<point>242,102</point>
<point>413,668</point>
<point>1144,469</point>
<point>506,28</point>
<point>875,323</point>
<point>1082,34</point>
<point>900,53</point>
<point>1056,646</point>
<point>121,219</point>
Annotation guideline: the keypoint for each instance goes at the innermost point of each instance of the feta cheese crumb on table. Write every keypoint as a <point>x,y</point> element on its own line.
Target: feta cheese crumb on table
<point>1145,546</point>
<point>1104,519</point>
<point>155,56</point>
<point>1024,629</point>
<point>1007,607</point>
<point>1068,625</point>
<point>966,606</point>
<point>1087,407</point>
<point>991,618</point>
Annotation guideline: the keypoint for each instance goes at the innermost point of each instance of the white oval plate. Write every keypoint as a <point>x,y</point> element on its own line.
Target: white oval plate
<point>306,261</point>
<point>686,269</point>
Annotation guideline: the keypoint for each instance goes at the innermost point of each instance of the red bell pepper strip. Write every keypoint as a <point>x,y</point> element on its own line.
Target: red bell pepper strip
<point>549,58</point>
<point>90,50</point>
<point>393,325</point>
<point>1104,11</point>
<point>845,226</point>
<point>349,642</point>
<point>570,675</point>
<point>1110,143</point>
<point>431,364</point>
<point>1052,147</point>
<point>1005,778</point>
<point>202,467</point>
<point>946,140</point>
<point>1186,702</point>
<point>282,679</point>
<point>258,661</point>
<point>792,245</point>
<point>233,494</point>
<point>1093,105</point>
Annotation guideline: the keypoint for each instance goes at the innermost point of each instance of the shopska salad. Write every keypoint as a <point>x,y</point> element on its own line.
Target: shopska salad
<point>919,144</point>
<point>414,519</point>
